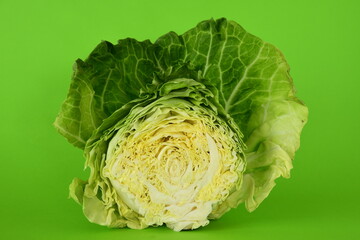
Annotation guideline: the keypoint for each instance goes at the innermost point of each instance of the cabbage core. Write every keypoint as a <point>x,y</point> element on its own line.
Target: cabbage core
<point>173,165</point>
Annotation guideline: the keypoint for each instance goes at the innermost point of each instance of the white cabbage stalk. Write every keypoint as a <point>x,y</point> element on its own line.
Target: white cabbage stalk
<point>172,166</point>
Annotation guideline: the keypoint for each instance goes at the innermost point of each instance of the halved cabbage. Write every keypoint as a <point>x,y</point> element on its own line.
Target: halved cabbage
<point>163,126</point>
<point>172,162</point>
<point>173,159</point>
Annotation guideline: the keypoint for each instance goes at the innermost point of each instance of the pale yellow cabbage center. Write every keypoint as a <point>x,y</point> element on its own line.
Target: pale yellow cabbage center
<point>172,166</point>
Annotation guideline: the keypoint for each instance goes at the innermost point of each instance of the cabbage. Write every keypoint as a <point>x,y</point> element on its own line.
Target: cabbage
<point>179,131</point>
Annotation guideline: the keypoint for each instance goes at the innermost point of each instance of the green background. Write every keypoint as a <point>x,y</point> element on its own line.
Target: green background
<point>39,42</point>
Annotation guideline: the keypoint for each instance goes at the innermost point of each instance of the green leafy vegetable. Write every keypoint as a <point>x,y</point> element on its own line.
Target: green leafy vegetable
<point>179,131</point>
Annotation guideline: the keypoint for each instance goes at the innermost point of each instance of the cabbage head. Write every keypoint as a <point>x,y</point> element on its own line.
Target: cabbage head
<point>179,131</point>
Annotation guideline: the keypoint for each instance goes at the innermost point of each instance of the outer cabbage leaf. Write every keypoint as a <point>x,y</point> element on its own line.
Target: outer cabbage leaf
<point>109,78</point>
<point>255,88</point>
